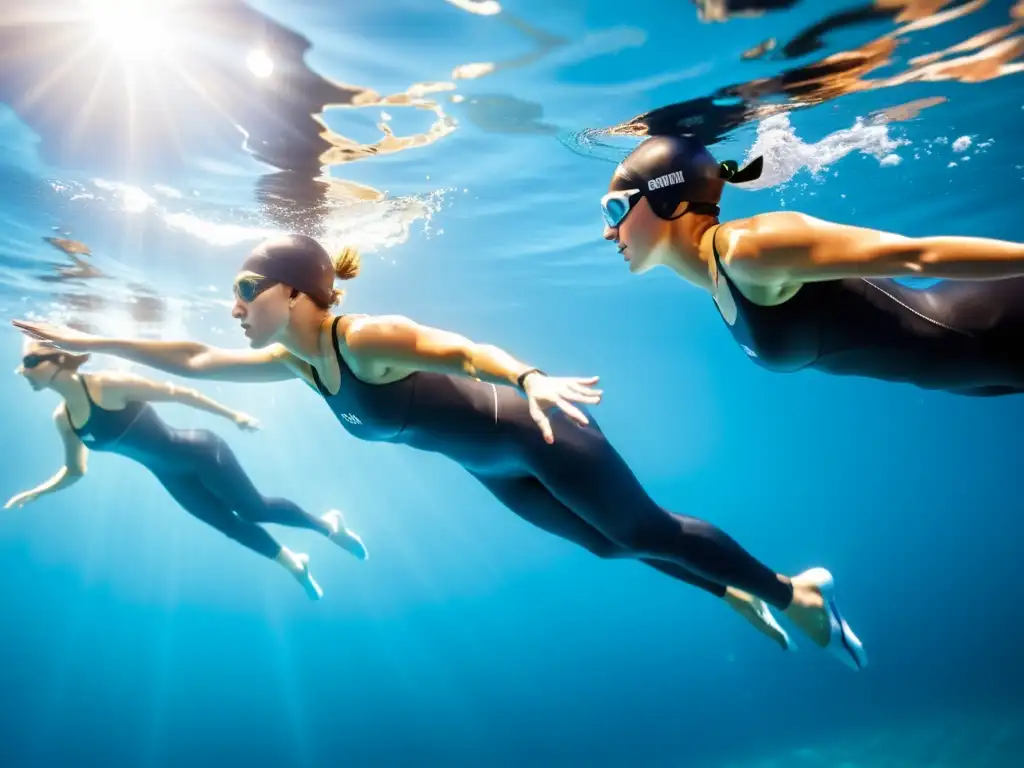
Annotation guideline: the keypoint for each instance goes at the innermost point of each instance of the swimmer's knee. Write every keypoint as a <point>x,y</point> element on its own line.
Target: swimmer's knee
<point>637,538</point>
<point>606,550</point>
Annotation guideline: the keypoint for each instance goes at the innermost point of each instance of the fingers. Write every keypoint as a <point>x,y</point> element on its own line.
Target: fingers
<point>542,421</point>
<point>572,412</point>
<point>27,326</point>
<point>590,397</point>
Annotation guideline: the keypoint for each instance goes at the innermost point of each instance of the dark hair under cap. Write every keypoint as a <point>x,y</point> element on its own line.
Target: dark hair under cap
<point>670,170</point>
<point>297,261</point>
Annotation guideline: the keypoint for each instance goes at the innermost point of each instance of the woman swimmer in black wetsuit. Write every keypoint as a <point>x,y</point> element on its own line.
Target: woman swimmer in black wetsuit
<point>800,293</point>
<point>390,379</point>
<point>111,412</point>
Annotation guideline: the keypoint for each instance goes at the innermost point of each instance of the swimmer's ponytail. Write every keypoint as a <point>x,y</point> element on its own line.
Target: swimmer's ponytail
<point>346,267</point>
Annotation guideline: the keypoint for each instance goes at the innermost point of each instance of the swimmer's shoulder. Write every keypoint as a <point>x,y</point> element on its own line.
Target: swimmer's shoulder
<point>748,249</point>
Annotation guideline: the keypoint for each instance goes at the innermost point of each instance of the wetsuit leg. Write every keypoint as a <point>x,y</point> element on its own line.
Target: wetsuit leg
<point>192,494</point>
<point>584,472</point>
<point>217,466</point>
<point>529,499</point>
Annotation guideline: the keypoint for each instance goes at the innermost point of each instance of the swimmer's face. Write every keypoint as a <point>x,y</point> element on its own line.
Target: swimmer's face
<point>38,366</point>
<point>262,307</point>
<point>638,235</point>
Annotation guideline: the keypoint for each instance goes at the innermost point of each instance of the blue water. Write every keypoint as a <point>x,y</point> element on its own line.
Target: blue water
<point>132,635</point>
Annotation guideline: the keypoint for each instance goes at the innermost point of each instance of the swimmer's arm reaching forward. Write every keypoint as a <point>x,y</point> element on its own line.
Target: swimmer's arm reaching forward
<point>399,343</point>
<point>791,248</point>
<point>132,387</point>
<point>69,474</point>
<point>183,358</point>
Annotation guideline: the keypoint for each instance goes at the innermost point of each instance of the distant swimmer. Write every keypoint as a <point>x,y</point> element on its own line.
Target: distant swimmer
<point>111,412</point>
<point>390,379</point>
<point>798,293</point>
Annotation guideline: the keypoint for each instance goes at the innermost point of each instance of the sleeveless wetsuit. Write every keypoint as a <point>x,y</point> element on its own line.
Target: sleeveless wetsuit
<point>579,488</point>
<point>964,337</point>
<point>197,468</point>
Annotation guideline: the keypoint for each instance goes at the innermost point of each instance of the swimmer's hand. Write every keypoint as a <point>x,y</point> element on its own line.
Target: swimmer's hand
<point>55,336</point>
<point>245,422</point>
<point>21,499</point>
<point>542,392</point>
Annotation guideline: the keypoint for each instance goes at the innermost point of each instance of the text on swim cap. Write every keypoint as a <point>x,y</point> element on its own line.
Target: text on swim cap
<point>669,179</point>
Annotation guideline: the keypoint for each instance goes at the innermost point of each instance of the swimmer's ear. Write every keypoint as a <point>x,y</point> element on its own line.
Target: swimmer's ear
<point>730,171</point>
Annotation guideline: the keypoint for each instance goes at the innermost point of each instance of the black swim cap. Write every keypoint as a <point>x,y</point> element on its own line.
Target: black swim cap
<point>297,261</point>
<point>669,170</point>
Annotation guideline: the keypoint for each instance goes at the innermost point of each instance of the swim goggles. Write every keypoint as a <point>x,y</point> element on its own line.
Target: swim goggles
<point>247,287</point>
<point>615,206</point>
<point>33,360</point>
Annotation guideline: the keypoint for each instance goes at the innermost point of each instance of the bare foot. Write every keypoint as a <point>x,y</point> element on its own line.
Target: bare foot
<point>807,611</point>
<point>344,537</point>
<point>305,578</point>
<point>815,612</point>
<point>757,613</point>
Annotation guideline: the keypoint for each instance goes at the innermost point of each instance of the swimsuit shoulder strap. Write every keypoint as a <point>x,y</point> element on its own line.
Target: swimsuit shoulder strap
<point>67,415</point>
<point>85,387</point>
<point>334,341</point>
<point>714,244</point>
<point>337,353</point>
<point>719,272</point>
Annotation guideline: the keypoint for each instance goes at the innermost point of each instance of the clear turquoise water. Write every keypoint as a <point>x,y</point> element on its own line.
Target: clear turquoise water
<point>132,635</point>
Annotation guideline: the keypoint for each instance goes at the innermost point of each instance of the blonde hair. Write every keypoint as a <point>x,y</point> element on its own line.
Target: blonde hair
<point>346,267</point>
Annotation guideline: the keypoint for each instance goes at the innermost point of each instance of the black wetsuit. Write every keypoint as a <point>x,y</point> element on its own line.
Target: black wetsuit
<point>197,468</point>
<point>579,488</point>
<point>964,337</point>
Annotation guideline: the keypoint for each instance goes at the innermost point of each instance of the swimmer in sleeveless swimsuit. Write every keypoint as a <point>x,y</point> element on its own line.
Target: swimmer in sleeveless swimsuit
<point>111,412</point>
<point>798,293</point>
<point>390,379</point>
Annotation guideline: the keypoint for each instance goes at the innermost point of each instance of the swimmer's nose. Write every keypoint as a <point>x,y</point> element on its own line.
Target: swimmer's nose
<point>611,233</point>
<point>238,310</point>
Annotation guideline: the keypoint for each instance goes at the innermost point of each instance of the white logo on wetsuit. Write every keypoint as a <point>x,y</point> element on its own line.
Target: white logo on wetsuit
<point>351,418</point>
<point>668,180</point>
<point>748,350</point>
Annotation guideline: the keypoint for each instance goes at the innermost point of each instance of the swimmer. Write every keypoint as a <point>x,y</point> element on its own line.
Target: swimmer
<point>111,412</point>
<point>390,379</point>
<point>798,293</point>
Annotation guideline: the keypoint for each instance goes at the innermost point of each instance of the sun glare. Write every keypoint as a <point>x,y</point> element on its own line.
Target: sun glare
<point>133,29</point>
<point>259,63</point>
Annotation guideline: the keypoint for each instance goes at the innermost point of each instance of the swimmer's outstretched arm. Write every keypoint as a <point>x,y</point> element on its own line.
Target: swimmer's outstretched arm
<point>137,388</point>
<point>780,248</point>
<point>74,464</point>
<point>182,358</point>
<point>401,343</point>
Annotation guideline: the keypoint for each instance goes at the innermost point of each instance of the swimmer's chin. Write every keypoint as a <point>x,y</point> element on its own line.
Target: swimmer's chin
<point>254,342</point>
